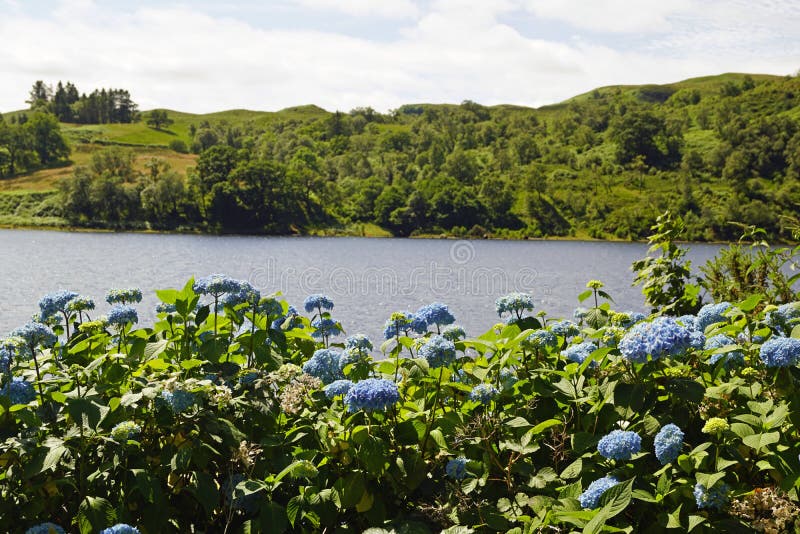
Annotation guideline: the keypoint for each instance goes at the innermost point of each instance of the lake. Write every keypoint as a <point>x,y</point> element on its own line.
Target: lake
<point>367,278</point>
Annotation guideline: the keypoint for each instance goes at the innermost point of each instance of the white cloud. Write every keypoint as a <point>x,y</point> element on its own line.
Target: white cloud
<point>611,15</point>
<point>453,50</point>
<point>392,9</point>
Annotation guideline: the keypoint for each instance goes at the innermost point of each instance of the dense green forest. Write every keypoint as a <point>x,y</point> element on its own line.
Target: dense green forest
<point>603,164</point>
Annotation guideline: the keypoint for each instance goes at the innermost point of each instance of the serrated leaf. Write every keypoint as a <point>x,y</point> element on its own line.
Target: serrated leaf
<point>761,441</point>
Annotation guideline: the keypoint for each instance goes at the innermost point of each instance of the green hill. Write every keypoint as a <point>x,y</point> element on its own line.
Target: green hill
<point>601,164</point>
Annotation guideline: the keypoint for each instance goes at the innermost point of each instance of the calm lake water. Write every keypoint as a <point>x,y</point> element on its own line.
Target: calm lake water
<point>367,279</point>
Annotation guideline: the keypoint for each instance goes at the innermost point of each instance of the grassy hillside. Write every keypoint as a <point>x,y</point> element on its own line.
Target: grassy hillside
<point>722,148</point>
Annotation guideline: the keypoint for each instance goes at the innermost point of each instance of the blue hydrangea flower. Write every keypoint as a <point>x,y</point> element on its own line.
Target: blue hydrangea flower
<point>438,351</point>
<point>358,341</point>
<point>697,339</point>
<point>711,314</point>
<point>730,358</point>
<point>659,338</point>
<point>454,333</point>
<point>515,303</point>
<point>483,393</point>
<point>325,328</point>
<point>372,394</point>
<point>36,334</point>
<point>714,498</point>
<point>324,364</point>
<point>564,329</point>
<point>785,317</point>
<point>337,387</point>
<point>591,496</point>
<point>317,302</point>
<point>580,313</point>
<point>780,352</point>
<point>435,314</point>
<point>18,390</point>
<point>216,285</point>
<point>668,442</point>
<point>689,321</point>
<point>10,349</point>
<point>54,303</point>
<point>124,431</point>
<point>165,308</point>
<point>508,377</point>
<point>80,304</point>
<point>351,356</point>
<point>270,306</point>
<point>122,314</point>
<point>628,318</point>
<point>124,296</point>
<point>401,323</point>
<point>542,339</point>
<point>178,400</point>
<point>245,293</point>
<point>45,528</point>
<point>578,353</point>
<point>120,528</point>
<point>619,445</point>
<point>456,468</point>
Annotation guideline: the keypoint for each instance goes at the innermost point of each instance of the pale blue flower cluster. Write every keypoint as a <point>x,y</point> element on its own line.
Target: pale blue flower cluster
<point>165,308</point>
<point>359,342</point>
<point>619,445</point>
<point>454,332</point>
<point>317,302</point>
<point>36,334</point>
<point>245,293</point>
<point>689,321</point>
<point>711,314</point>
<point>714,498</point>
<point>405,322</point>
<point>124,431</point>
<point>11,348</point>
<point>120,528</point>
<point>435,314</point>
<point>216,285</point>
<point>515,303</point>
<point>325,327</point>
<point>542,339</point>
<point>580,313</point>
<point>352,356</point>
<point>18,390</point>
<point>54,303</point>
<point>668,442</point>
<point>578,353</point>
<point>80,304</point>
<point>784,318</point>
<point>780,352</point>
<point>508,377</point>
<point>45,528</point>
<point>564,329</point>
<point>730,358</point>
<point>629,318</point>
<point>337,388</point>
<point>657,339</point>
<point>591,496</point>
<point>372,394</point>
<point>324,364</point>
<point>124,296</point>
<point>697,339</point>
<point>483,393</point>
<point>122,314</point>
<point>438,351</point>
<point>178,400</point>
<point>456,468</point>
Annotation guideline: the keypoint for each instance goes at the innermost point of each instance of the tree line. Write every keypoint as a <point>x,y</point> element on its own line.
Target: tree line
<point>31,142</point>
<point>101,106</point>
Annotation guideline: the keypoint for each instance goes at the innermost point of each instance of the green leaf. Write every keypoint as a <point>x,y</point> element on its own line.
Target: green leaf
<point>273,518</point>
<point>95,514</point>
<point>750,303</point>
<point>674,519</point>
<point>573,470</point>
<point>293,508</point>
<point>695,520</point>
<point>585,295</point>
<point>761,441</point>
<point>616,498</point>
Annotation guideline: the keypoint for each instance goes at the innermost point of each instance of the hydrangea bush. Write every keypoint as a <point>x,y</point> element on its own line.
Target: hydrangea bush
<point>235,413</point>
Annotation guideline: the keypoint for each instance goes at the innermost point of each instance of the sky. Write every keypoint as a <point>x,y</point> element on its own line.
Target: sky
<point>212,55</point>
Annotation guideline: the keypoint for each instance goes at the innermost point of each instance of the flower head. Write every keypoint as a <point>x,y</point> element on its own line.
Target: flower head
<point>358,341</point>
<point>542,339</point>
<point>216,285</point>
<point>337,388</point>
<point>401,323</point>
<point>124,296</point>
<point>659,338</point>
<point>245,293</point>
<point>715,425</point>
<point>124,431</point>
<point>668,442</point>
<point>45,528</point>
<point>372,394</point>
<point>564,329</point>
<point>122,314</point>
<point>780,352</point>
<point>316,302</point>
<point>178,400</point>
<point>591,496</point>
<point>729,358</point>
<point>456,468</point>
<point>18,390</point>
<point>453,332</point>
<point>120,528</point>
<point>483,393</point>
<point>578,353</point>
<point>438,351</point>
<point>54,303</point>
<point>325,327</point>
<point>435,314</point>
<point>714,498</point>
<point>619,445</point>
<point>515,303</point>
<point>36,334</point>
<point>324,364</point>
<point>80,304</point>
<point>711,314</point>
